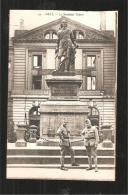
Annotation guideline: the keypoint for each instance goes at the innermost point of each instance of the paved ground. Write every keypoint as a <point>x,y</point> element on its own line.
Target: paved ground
<point>54,173</point>
<point>57,174</point>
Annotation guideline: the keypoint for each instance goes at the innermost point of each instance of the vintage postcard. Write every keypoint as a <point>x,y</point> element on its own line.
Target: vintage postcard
<point>62,71</point>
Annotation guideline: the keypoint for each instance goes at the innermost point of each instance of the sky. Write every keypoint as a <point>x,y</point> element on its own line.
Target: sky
<point>35,18</point>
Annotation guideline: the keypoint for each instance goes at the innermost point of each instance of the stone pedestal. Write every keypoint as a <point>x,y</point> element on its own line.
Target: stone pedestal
<point>63,104</point>
<point>107,136</point>
<point>20,132</point>
<point>52,114</point>
<point>64,87</point>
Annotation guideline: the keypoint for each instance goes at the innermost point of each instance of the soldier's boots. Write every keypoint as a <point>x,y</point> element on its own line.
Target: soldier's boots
<point>63,168</point>
<point>89,168</point>
<point>90,163</point>
<point>96,169</point>
<point>75,164</point>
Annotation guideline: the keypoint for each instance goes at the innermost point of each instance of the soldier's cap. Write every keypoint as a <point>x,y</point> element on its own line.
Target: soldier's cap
<point>87,121</point>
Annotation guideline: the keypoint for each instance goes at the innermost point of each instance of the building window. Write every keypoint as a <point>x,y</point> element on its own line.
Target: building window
<point>47,36</point>
<point>80,35</point>
<point>94,116</point>
<point>34,111</point>
<point>37,61</point>
<point>54,36</point>
<point>91,83</point>
<point>50,35</point>
<point>91,61</point>
<point>36,82</point>
<point>92,70</point>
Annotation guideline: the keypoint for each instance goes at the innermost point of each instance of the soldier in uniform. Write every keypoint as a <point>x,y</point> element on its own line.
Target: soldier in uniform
<point>91,139</point>
<point>65,145</point>
<point>65,47</point>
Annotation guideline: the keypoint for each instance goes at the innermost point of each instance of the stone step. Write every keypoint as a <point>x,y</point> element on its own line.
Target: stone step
<point>56,151</point>
<point>39,159</point>
<point>82,166</point>
<point>50,143</point>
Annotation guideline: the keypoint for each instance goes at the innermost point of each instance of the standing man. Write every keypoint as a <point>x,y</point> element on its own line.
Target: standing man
<point>91,139</point>
<point>65,145</point>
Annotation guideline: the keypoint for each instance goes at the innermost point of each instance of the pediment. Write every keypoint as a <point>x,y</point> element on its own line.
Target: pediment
<point>38,34</point>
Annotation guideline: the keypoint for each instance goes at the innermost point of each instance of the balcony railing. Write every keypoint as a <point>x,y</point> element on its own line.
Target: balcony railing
<point>31,92</point>
<point>47,92</point>
<point>90,93</point>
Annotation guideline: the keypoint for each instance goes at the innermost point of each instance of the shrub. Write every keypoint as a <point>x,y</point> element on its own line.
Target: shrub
<point>11,134</point>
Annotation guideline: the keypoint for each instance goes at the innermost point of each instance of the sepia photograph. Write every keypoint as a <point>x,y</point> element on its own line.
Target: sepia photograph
<point>62,95</point>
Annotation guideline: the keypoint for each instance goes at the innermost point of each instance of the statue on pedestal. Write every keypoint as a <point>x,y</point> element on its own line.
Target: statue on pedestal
<point>66,49</point>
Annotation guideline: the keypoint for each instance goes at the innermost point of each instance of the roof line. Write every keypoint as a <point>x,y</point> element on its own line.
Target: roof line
<point>88,27</point>
<point>69,20</point>
<point>34,29</point>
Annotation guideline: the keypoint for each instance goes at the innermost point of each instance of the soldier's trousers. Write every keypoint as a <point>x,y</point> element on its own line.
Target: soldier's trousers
<point>91,151</point>
<point>66,150</point>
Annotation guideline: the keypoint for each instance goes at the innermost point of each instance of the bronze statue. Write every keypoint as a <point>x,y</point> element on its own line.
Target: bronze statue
<point>66,49</point>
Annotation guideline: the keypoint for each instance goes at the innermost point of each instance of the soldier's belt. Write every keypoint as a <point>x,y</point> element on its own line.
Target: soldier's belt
<point>89,137</point>
<point>65,137</point>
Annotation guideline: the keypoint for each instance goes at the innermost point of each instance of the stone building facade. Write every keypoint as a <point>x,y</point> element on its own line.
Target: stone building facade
<point>32,58</point>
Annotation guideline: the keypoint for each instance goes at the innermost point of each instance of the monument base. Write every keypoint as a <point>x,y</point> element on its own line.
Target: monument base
<point>52,114</point>
<point>46,141</point>
<point>63,104</point>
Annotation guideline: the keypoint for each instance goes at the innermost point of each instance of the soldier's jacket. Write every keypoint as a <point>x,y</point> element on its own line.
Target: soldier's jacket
<point>63,134</point>
<point>91,136</point>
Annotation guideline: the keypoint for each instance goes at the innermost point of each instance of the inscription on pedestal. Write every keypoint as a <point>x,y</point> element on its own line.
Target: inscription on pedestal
<point>64,90</point>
